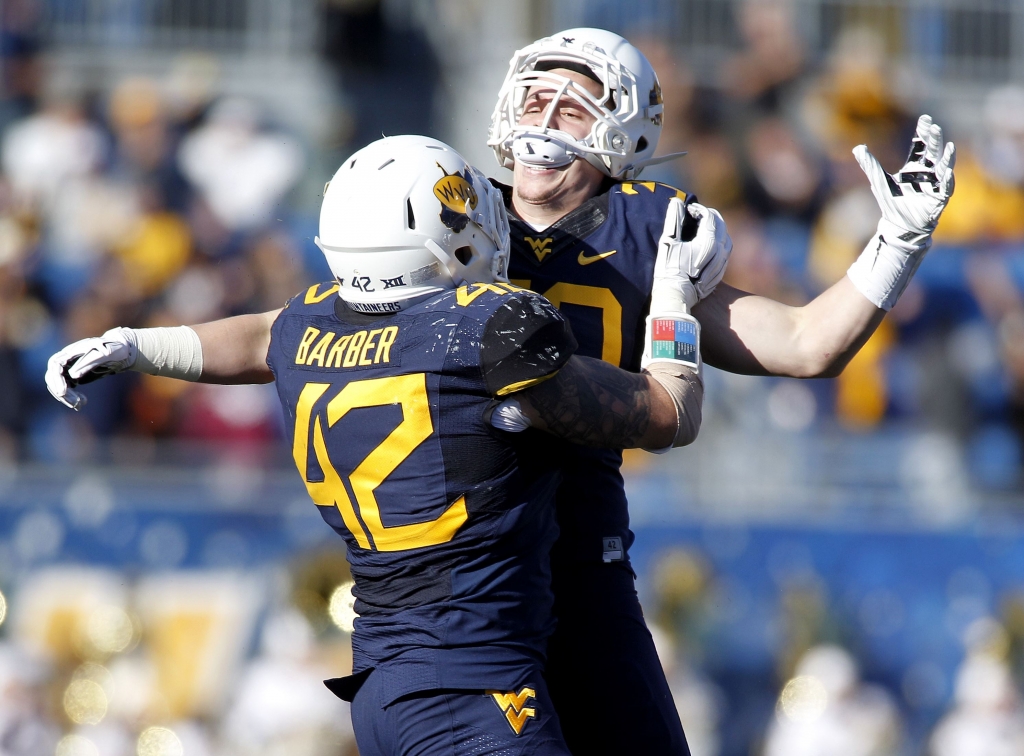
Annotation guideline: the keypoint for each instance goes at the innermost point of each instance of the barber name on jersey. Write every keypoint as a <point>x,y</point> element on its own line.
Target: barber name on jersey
<point>330,344</point>
<point>596,264</point>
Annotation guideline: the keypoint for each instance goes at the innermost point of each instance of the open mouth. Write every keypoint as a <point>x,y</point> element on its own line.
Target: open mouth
<point>541,170</point>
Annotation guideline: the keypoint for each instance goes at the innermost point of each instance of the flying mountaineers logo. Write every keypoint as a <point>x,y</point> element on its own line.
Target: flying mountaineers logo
<point>455,193</point>
<point>540,247</point>
<point>514,706</point>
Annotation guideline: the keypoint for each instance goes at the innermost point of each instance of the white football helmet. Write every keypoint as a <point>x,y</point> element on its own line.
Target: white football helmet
<point>407,217</point>
<point>628,111</point>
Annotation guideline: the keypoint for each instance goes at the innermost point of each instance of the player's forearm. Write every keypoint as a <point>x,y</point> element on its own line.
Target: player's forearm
<point>593,403</point>
<point>754,335</point>
<point>235,349</point>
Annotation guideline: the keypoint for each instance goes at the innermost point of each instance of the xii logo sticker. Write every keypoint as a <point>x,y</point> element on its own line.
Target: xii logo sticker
<point>514,706</point>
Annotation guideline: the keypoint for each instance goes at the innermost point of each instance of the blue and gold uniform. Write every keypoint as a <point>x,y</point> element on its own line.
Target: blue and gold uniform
<point>448,522</point>
<point>596,264</point>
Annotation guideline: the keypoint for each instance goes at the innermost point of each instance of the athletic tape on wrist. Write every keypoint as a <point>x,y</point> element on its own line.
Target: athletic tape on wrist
<point>672,337</point>
<point>686,389</point>
<point>888,262</point>
<point>169,352</point>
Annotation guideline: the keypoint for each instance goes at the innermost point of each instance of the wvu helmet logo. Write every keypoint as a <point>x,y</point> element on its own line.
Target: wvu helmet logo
<point>540,247</point>
<point>514,706</point>
<point>455,192</point>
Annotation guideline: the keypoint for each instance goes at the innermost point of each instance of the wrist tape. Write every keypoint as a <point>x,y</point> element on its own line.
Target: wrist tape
<point>170,352</point>
<point>686,388</point>
<point>887,264</point>
<point>672,337</point>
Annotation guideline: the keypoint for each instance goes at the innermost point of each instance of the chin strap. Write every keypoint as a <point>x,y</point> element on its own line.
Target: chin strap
<point>556,149</point>
<point>445,260</point>
<point>658,160</point>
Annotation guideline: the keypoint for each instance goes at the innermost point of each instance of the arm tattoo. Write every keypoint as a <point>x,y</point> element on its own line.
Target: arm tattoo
<point>592,403</point>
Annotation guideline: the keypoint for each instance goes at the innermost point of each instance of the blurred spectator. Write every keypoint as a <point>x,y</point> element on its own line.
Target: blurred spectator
<point>825,710</point>
<point>240,172</point>
<point>786,180</point>
<point>773,55</point>
<point>988,718</point>
<point>281,706</point>
<point>852,102</point>
<point>698,700</point>
<point>45,151</point>
<point>24,726</point>
<point>989,204</point>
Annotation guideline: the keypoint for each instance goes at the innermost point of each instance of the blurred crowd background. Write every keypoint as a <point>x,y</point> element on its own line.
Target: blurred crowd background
<point>835,567</point>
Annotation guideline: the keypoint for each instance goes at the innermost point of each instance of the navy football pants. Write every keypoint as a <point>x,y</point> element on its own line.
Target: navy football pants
<point>603,671</point>
<point>458,722</point>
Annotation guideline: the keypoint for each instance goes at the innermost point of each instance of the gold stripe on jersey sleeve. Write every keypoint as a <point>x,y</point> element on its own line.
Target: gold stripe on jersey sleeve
<point>312,297</point>
<point>520,385</point>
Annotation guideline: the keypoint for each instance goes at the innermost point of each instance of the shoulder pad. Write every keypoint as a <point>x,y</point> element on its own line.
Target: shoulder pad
<point>476,300</point>
<point>526,340</point>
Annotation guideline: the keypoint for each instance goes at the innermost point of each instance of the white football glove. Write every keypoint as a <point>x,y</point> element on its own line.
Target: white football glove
<point>88,360</point>
<point>914,198</point>
<point>685,272</point>
<point>911,202</point>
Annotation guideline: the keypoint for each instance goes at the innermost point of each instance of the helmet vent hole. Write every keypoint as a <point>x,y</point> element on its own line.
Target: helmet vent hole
<point>434,147</point>
<point>641,144</point>
<point>386,164</point>
<point>464,255</point>
<point>411,214</point>
<point>352,165</point>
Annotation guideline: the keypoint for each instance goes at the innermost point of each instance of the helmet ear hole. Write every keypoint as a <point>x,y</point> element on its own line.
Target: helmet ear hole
<point>464,255</point>
<point>641,144</point>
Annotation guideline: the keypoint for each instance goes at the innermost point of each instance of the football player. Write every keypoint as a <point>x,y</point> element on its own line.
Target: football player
<point>406,383</point>
<point>577,119</point>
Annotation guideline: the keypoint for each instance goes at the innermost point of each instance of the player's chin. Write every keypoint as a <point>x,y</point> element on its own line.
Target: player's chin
<point>538,184</point>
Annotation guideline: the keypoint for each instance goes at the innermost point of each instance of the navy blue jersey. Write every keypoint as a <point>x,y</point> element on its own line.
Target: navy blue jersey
<point>448,522</point>
<point>596,264</point>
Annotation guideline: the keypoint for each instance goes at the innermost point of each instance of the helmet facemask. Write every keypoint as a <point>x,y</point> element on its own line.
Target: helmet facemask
<point>627,113</point>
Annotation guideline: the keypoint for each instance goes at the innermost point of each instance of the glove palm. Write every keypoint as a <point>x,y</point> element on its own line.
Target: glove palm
<point>913,199</point>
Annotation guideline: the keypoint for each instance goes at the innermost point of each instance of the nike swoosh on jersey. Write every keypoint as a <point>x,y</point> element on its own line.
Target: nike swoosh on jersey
<point>584,260</point>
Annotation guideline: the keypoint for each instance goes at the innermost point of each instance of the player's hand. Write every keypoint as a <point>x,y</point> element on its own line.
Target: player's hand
<point>913,199</point>
<point>86,361</point>
<point>688,268</point>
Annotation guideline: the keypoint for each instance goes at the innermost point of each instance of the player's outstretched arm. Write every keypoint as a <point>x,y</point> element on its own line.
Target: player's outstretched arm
<point>232,350</point>
<point>753,335</point>
<point>593,403</point>
<point>235,349</point>
<point>758,336</point>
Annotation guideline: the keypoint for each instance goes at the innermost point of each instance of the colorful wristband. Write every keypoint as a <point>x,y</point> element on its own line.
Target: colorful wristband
<point>673,337</point>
